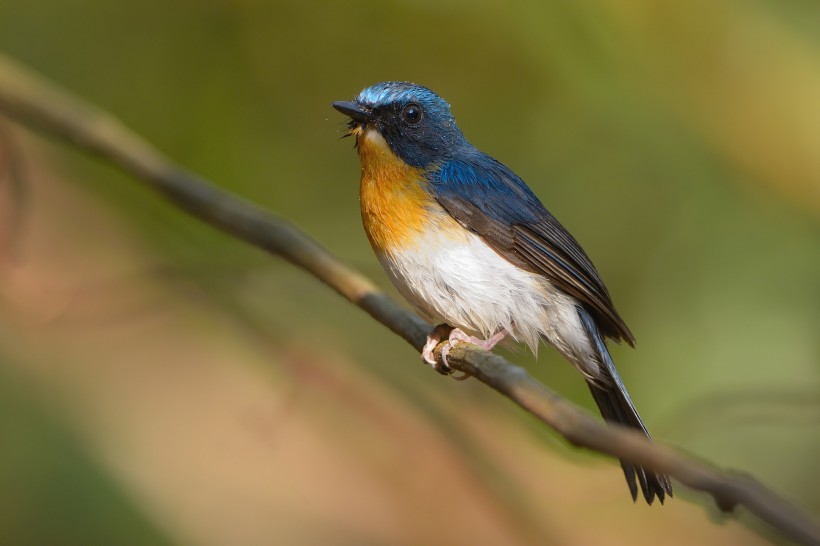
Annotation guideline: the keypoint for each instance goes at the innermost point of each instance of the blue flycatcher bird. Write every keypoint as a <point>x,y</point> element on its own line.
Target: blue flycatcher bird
<point>471,246</point>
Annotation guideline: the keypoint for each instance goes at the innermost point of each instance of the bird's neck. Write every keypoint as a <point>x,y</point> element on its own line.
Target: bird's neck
<point>395,203</point>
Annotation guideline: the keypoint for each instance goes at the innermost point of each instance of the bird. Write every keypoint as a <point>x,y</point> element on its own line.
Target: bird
<point>472,248</point>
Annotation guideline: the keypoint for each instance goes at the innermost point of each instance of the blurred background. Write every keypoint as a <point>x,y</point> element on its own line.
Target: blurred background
<point>161,383</point>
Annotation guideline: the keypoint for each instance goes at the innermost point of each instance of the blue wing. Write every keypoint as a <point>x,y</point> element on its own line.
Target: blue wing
<point>490,200</point>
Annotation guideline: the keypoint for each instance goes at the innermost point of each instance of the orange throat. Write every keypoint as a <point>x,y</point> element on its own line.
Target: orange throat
<point>395,205</point>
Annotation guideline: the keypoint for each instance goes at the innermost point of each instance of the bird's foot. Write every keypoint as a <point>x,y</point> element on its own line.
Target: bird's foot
<point>457,335</point>
<point>433,339</point>
<point>454,335</point>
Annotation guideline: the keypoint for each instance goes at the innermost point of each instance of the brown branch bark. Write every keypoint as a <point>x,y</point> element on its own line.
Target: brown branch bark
<point>40,105</point>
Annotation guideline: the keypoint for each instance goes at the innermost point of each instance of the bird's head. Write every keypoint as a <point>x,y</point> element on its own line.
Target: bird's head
<point>414,122</point>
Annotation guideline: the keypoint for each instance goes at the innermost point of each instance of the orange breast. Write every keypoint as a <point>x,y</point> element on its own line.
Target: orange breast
<point>396,208</point>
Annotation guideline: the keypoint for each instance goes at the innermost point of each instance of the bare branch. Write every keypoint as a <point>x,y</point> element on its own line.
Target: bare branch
<point>41,105</point>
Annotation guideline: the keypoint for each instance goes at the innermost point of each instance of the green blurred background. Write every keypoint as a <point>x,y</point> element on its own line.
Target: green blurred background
<point>163,384</point>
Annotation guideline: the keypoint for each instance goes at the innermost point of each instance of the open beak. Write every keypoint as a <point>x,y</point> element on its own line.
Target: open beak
<point>353,110</point>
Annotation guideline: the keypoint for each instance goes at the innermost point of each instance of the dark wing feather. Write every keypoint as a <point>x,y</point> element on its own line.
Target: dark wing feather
<point>487,198</point>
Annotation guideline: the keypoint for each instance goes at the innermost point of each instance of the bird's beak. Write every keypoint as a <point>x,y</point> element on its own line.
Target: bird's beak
<point>353,110</point>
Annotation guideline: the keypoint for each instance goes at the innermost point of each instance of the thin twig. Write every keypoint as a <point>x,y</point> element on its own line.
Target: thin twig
<point>41,105</point>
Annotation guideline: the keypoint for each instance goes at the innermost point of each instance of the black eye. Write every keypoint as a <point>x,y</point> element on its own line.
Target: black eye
<point>411,113</point>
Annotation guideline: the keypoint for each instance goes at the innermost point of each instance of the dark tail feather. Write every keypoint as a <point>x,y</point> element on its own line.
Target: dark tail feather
<point>616,406</point>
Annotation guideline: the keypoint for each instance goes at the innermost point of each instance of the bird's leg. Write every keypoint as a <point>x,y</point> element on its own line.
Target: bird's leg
<point>454,335</point>
<point>457,335</point>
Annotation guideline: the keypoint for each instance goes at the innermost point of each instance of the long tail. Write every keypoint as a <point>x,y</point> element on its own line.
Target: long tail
<point>615,405</point>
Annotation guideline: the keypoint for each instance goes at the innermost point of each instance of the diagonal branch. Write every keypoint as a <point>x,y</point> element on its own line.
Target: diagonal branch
<point>40,105</point>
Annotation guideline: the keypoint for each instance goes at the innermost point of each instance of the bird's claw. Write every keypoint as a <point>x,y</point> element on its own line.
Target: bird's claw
<point>454,335</point>
<point>428,353</point>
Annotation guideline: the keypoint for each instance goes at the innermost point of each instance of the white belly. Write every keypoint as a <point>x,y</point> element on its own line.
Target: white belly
<point>470,286</point>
